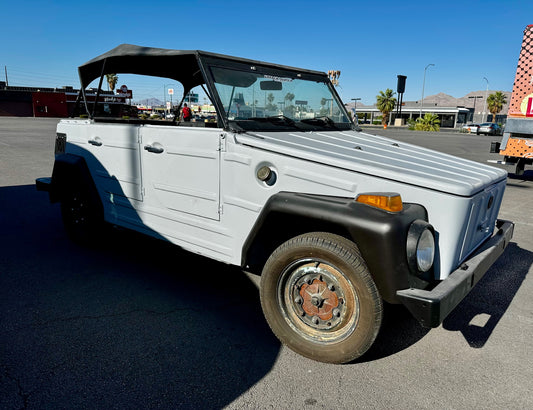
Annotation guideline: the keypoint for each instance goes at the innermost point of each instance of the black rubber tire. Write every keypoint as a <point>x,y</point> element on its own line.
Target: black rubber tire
<point>81,214</point>
<point>319,262</point>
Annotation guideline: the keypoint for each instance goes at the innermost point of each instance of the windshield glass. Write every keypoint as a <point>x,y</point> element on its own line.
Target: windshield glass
<point>256,101</point>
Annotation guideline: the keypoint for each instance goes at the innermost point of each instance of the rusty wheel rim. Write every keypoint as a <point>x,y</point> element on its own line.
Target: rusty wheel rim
<point>318,301</point>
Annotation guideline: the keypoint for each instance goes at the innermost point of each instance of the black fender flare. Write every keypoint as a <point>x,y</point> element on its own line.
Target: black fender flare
<point>380,235</point>
<point>70,170</point>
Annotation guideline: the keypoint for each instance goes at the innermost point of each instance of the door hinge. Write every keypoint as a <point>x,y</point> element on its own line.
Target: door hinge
<point>220,209</point>
<point>222,142</point>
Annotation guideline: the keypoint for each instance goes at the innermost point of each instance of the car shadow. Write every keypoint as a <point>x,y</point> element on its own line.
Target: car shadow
<point>526,176</point>
<point>399,331</point>
<point>129,321</point>
<point>477,315</point>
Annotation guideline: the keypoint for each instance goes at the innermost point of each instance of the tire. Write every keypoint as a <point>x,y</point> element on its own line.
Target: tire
<point>81,214</point>
<point>319,299</point>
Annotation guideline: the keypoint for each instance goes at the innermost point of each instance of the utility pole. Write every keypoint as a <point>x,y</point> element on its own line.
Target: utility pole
<point>485,104</point>
<point>7,82</point>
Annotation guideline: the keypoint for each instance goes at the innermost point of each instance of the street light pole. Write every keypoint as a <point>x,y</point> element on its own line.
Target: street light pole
<point>485,104</point>
<point>423,86</point>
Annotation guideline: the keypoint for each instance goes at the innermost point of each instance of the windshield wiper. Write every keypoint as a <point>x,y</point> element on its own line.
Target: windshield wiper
<point>276,119</point>
<point>323,120</point>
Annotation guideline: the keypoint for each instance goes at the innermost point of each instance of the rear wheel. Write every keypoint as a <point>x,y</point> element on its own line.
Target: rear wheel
<point>81,215</point>
<point>319,298</point>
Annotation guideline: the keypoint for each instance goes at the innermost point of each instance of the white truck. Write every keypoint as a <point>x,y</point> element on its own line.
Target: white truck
<point>334,220</point>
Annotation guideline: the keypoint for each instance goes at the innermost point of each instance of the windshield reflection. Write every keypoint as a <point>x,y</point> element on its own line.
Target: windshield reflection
<point>264,101</point>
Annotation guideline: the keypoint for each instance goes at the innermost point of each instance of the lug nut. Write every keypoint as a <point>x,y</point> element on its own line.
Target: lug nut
<point>336,312</point>
<point>298,300</point>
<point>316,320</point>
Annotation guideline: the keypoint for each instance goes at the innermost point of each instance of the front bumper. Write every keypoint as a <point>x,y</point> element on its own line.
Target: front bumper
<point>430,307</point>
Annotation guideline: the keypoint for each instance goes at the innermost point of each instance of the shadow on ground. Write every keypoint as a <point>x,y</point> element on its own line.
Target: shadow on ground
<point>130,322</point>
<point>475,317</point>
<point>479,313</point>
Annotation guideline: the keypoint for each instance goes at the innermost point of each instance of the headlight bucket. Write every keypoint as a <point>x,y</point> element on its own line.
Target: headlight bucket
<point>420,247</point>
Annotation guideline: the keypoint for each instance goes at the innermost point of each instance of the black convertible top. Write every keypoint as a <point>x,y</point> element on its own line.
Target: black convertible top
<point>179,65</point>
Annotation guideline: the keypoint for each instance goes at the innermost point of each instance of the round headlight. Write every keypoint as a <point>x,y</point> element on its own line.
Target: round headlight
<point>425,251</point>
<point>420,247</point>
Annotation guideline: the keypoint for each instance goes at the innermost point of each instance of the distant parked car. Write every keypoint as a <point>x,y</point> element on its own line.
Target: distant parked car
<point>489,128</point>
<point>470,128</point>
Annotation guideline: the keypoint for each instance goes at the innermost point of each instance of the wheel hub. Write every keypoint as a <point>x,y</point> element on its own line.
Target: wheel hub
<point>318,300</point>
<point>317,297</point>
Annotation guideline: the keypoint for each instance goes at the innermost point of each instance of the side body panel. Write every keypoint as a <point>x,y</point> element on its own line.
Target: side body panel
<point>202,191</point>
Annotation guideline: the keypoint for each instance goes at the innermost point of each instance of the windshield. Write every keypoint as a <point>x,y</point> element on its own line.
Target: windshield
<point>261,101</point>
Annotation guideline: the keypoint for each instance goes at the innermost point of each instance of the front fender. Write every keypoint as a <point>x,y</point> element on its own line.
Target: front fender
<point>380,235</point>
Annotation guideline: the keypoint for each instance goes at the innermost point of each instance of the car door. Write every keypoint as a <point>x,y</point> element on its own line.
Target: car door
<point>181,170</point>
<point>112,154</point>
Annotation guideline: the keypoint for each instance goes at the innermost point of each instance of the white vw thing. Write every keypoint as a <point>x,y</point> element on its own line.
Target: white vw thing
<point>283,184</point>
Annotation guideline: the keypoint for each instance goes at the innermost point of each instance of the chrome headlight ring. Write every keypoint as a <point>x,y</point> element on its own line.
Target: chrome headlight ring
<point>420,247</point>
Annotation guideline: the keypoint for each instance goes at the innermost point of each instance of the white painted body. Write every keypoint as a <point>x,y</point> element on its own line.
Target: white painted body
<point>202,192</point>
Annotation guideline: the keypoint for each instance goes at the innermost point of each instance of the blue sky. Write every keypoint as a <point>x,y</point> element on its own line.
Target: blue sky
<point>370,42</point>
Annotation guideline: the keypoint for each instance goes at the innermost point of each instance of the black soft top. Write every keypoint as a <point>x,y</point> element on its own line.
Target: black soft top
<point>179,65</point>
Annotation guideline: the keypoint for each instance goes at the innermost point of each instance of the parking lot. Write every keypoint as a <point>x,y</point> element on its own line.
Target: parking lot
<point>132,322</point>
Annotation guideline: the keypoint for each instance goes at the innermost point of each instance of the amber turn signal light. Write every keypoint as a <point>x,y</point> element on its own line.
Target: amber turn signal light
<point>383,200</point>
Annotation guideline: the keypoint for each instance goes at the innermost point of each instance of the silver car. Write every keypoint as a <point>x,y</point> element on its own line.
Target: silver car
<point>489,128</point>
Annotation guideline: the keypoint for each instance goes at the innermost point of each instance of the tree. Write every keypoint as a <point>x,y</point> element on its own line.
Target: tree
<point>290,97</point>
<point>270,106</point>
<point>386,103</point>
<point>495,103</point>
<point>429,122</point>
<point>111,81</point>
<point>289,108</point>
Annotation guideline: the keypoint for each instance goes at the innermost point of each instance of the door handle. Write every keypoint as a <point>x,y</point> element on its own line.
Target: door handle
<point>155,150</point>
<point>96,142</point>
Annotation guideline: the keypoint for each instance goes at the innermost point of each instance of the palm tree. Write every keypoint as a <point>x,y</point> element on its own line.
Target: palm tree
<point>495,103</point>
<point>290,97</point>
<point>111,81</point>
<point>429,122</point>
<point>386,103</point>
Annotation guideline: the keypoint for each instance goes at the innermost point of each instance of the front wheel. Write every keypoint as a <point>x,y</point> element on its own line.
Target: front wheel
<point>319,298</point>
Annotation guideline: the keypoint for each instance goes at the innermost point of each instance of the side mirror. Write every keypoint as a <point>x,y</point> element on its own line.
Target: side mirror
<point>270,85</point>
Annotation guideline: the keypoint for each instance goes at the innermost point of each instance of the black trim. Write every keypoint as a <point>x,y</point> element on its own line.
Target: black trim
<point>430,308</point>
<point>380,235</point>
<point>68,169</point>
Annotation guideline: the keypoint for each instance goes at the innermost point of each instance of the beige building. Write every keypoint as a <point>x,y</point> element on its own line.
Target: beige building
<point>452,112</point>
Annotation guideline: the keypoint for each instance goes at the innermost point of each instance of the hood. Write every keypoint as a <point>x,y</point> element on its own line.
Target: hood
<point>381,157</point>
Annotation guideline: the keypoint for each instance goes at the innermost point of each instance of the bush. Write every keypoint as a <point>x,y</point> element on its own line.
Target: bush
<point>429,122</point>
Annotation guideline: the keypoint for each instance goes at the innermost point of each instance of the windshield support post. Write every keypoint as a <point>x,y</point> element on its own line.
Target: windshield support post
<point>99,88</point>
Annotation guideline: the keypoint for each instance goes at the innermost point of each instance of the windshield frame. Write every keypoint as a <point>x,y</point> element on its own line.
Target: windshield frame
<point>273,70</point>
